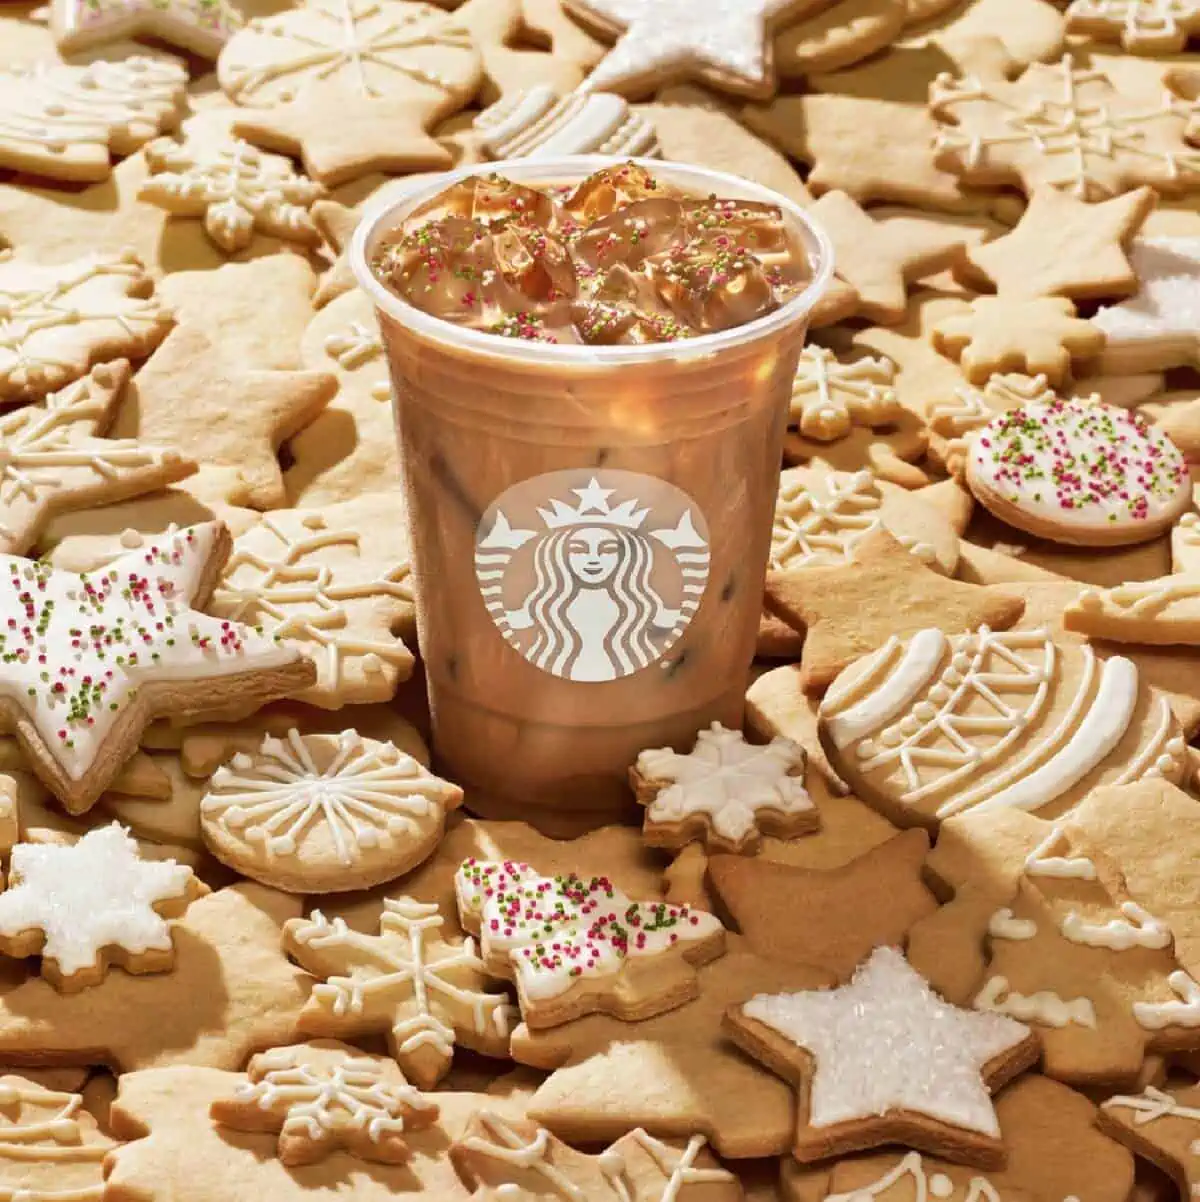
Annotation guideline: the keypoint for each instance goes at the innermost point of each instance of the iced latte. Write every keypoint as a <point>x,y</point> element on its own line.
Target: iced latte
<point>592,362</point>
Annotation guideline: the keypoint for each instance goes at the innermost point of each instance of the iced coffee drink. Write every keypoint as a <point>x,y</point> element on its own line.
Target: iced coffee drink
<point>592,362</point>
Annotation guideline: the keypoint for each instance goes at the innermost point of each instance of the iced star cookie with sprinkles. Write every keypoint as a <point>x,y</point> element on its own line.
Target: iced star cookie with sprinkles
<point>939,724</point>
<point>1079,472</point>
<point>726,793</point>
<point>571,943</point>
<point>87,661</point>
<point>324,813</point>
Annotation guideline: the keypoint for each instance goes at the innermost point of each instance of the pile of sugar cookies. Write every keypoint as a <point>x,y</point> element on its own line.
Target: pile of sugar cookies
<point>928,929</point>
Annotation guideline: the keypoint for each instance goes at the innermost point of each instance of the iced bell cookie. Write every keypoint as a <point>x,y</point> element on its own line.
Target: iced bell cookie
<point>324,813</point>
<point>1079,472</point>
<point>578,946</point>
<point>86,661</point>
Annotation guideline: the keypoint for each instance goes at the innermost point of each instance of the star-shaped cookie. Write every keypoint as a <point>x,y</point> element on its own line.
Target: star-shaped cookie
<point>850,609</point>
<point>870,902</point>
<point>201,26</point>
<point>727,46</point>
<point>885,1060</point>
<point>1063,246</point>
<point>89,660</point>
<point>879,258</point>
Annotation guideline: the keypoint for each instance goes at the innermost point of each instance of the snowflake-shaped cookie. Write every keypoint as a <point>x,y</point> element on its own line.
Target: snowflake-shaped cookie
<point>322,1098</point>
<point>426,993</point>
<point>63,121</point>
<point>1159,326</point>
<point>335,592</point>
<point>369,48</point>
<point>829,397</point>
<point>95,903</point>
<point>323,813</point>
<point>1141,26</point>
<point>55,322</point>
<point>520,1160</point>
<point>52,458</point>
<point>567,940</point>
<point>726,792</point>
<point>235,187</point>
<point>1063,126</point>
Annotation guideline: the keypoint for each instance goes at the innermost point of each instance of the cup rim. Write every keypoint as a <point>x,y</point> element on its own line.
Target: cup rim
<point>385,213</point>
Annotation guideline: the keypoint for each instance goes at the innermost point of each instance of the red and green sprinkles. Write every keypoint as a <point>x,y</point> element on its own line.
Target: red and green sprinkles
<point>1079,458</point>
<point>566,926</point>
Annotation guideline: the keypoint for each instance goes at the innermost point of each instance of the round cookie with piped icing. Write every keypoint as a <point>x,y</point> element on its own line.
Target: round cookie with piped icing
<point>1079,472</point>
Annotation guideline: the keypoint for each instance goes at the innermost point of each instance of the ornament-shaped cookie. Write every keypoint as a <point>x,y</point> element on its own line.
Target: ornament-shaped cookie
<point>939,724</point>
<point>1079,472</point>
<point>324,813</point>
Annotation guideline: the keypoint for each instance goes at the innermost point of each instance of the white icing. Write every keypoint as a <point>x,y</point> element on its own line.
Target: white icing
<point>1039,863</point>
<point>318,1100</point>
<point>1069,462</point>
<point>234,186</point>
<point>41,1128</point>
<point>367,796</point>
<point>925,1185</point>
<point>1166,306</point>
<point>537,124</point>
<point>727,780</point>
<point>886,1042</point>
<point>551,931</point>
<point>1185,1012</point>
<point>93,895</point>
<point>667,36</point>
<point>1136,929</point>
<point>151,623</point>
<point>1152,1104</point>
<point>829,398</point>
<point>1003,925</point>
<point>1044,1007</point>
<point>912,674</point>
<point>433,990</point>
<point>1092,741</point>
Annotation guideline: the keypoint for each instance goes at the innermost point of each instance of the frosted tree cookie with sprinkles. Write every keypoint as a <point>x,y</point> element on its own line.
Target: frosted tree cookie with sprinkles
<point>938,724</point>
<point>324,813</point>
<point>577,945</point>
<point>86,661</point>
<point>1079,472</point>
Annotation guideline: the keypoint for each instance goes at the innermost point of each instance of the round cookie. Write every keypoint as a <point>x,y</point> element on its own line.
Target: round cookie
<point>941,724</point>
<point>324,813</point>
<point>1079,472</point>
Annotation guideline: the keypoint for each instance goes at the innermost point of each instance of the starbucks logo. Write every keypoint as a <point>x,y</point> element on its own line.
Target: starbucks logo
<point>592,574</point>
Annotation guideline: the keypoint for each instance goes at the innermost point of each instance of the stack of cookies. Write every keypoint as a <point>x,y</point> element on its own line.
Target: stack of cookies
<point>922,931</point>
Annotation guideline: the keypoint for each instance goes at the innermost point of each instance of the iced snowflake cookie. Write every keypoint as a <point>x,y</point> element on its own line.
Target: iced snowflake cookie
<point>578,946</point>
<point>88,660</point>
<point>518,1160</point>
<point>938,724</point>
<point>324,813</point>
<point>1079,472</point>
<point>725,793</point>
<point>325,1097</point>
<point>84,907</point>
<point>427,994</point>
<point>885,1060</point>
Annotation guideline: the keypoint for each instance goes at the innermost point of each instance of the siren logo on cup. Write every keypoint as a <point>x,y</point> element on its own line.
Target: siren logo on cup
<point>592,574</point>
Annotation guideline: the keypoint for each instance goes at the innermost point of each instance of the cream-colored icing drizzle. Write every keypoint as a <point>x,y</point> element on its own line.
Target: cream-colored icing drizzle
<point>1045,1006</point>
<point>927,1187</point>
<point>912,674</point>
<point>1003,925</point>
<point>1039,863</point>
<point>1183,1012</point>
<point>1136,929</point>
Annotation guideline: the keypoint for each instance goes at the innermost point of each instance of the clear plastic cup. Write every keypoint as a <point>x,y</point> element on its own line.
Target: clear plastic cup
<point>590,525</point>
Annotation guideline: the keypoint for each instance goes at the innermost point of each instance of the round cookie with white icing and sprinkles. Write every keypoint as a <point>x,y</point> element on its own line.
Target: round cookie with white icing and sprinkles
<point>1079,472</point>
<point>939,724</point>
<point>325,813</point>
